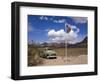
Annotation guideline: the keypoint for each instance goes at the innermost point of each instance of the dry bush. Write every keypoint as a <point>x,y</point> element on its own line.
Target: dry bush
<point>33,57</point>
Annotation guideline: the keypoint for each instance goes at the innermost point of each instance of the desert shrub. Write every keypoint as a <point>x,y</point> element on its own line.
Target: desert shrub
<point>33,57</point>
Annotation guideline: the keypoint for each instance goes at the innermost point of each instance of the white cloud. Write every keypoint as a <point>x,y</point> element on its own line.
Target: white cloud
<point>43,18</point>
<point>76,19</point>
<point>59,21</point>
<point>46,18</point>
<point>59,33</point>
<point>80,19</point>
<point>47,30</point>
<point>57,36</point>
<point>62,36</point>
<point>52,19</point>
<point>74,27</point>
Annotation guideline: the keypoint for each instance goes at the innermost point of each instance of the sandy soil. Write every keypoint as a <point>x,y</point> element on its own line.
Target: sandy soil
<point>72,60</point>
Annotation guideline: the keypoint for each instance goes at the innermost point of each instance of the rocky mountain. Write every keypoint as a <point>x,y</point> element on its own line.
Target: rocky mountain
<point>62,45</point>
<point>80,44</point>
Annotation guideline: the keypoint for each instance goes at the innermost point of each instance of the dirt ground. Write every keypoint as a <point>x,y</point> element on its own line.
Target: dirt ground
<point>74,56</point>
<point>82,59</point>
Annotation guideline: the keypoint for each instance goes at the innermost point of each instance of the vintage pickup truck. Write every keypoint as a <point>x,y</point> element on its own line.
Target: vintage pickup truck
<point>48,53</point>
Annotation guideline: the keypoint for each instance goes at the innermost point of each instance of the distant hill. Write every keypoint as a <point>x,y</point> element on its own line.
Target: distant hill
<point>80,44</point>
<point>53,45</point>
<point>62,45</point>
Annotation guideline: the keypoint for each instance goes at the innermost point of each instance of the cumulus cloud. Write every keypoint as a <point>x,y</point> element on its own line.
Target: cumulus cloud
<point>57,36</point>
<point>62,36</point>
<point>59,33</point>
<point>80,19</point>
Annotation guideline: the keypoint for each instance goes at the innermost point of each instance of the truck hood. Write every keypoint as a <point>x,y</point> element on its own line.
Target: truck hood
<point>50,52</point>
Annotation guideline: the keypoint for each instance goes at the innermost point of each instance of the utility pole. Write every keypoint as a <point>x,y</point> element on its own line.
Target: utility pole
<point>65,55</point>
<point>66,40</point>
<point>67,30</point>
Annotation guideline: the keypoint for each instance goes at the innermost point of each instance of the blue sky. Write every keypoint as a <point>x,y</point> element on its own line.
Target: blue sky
<point>39,26</point>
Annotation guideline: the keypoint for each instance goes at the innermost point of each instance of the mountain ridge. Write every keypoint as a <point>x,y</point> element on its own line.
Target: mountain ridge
<point>83,43</point>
